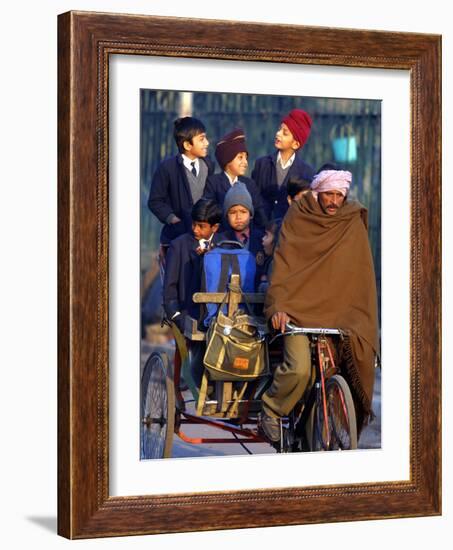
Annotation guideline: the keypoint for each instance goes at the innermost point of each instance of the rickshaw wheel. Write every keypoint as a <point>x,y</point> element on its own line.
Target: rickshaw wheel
<point>157,408</point>
<point>341,418</point>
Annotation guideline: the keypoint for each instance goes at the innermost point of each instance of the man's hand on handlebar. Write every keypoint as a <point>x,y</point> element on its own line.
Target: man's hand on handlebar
<point>279,321</point>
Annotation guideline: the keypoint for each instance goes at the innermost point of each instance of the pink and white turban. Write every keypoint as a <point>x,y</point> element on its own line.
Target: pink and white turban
<point>331,180</point>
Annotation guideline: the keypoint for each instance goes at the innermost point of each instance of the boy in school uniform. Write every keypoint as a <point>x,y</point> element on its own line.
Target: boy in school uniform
<point>184,262</point>
<point>295,188</point>
<point>179,181</point>
<point>232,155</point>
<point>238,211</point>
<point>269,241</point>
<point>272,172</point>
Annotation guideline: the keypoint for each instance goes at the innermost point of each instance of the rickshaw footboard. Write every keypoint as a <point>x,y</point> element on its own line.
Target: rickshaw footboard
<point>247,436</point>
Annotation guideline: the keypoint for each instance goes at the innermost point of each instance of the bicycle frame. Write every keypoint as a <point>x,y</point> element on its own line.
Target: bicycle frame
<point>325,362</point>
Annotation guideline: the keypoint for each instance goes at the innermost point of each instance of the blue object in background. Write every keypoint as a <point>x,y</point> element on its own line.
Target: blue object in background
<point>345,149</point>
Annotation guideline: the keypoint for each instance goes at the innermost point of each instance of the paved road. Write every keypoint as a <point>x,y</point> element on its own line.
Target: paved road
<point>370,438</point>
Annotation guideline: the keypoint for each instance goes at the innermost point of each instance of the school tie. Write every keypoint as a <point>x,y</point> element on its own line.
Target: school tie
<point>194,170</point>
<point>244,238</point>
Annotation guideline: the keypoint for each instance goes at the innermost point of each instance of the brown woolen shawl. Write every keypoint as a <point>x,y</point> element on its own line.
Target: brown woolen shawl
<point>323,276</point>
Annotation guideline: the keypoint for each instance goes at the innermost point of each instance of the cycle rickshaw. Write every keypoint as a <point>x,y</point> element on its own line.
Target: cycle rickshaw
<point>325,421</point>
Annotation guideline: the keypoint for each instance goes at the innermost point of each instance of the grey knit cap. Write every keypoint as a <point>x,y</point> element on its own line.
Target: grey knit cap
<point>238,194</point>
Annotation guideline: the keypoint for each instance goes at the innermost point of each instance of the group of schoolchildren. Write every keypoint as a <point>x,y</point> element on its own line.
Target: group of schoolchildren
<point>200,208</point>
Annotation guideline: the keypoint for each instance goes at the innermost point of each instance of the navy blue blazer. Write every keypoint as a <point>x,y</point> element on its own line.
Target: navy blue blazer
<point>170,194</point>
<point>183,268</point>
<point>265,176</point>
<point>217,186</point>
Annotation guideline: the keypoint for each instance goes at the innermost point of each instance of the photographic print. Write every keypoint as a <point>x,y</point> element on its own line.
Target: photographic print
<point>109,484</point>
<point>206,159</point>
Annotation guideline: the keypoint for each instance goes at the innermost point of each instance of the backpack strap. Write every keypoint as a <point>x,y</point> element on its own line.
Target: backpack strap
<point>235,269</point>
<point>227,261</point>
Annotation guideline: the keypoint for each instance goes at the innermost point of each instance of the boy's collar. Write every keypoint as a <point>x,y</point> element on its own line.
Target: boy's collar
<point>198,240</point>
<point>275,155</point>
<point>289,162</point>
<point>232,181</point>
<point>188,162</point>
<point>208,240</point>
<point>239,234</point>
<point>203,245</point>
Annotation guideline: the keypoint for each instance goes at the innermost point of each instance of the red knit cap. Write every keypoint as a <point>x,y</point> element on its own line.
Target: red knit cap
<point>299,124</point>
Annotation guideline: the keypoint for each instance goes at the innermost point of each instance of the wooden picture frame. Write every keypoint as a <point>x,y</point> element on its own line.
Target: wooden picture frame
<point>85,41</point>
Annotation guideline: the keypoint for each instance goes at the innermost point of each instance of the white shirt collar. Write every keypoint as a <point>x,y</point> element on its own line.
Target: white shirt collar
<point>232,181</point>
<point>288,162</point>
<point>202,242</point>
<point>188,163</point>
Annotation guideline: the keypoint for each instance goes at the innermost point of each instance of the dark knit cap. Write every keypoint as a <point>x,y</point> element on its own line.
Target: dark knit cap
<point>238,194</point>
<point>299,124</point>
<point>229,146</point>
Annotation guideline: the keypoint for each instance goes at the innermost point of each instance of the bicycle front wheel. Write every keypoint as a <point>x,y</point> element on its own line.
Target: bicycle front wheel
<point>341,411</point>
<point>339,430</point>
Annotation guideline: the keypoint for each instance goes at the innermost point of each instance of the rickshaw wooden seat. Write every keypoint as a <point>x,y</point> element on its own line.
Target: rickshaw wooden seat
<point>218,297</point>
<point>191,331</point>
<point>243,407</point>
<point>226,401</point>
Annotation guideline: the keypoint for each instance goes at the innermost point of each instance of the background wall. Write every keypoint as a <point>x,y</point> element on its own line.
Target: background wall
<point>260,116</point>
<point>28,319</point>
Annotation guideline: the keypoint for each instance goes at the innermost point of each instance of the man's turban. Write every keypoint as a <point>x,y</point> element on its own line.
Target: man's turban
<point>331,180</point>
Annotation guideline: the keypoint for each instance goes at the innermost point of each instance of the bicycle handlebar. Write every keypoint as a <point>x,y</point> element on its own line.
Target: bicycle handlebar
<point>292,329</point>
<point>306,330</point>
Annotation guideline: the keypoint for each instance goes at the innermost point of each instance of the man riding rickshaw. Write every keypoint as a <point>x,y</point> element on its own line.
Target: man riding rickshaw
<point>323,276</point>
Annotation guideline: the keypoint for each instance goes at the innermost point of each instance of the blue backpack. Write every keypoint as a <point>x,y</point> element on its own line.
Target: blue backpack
<point>219,264</point>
